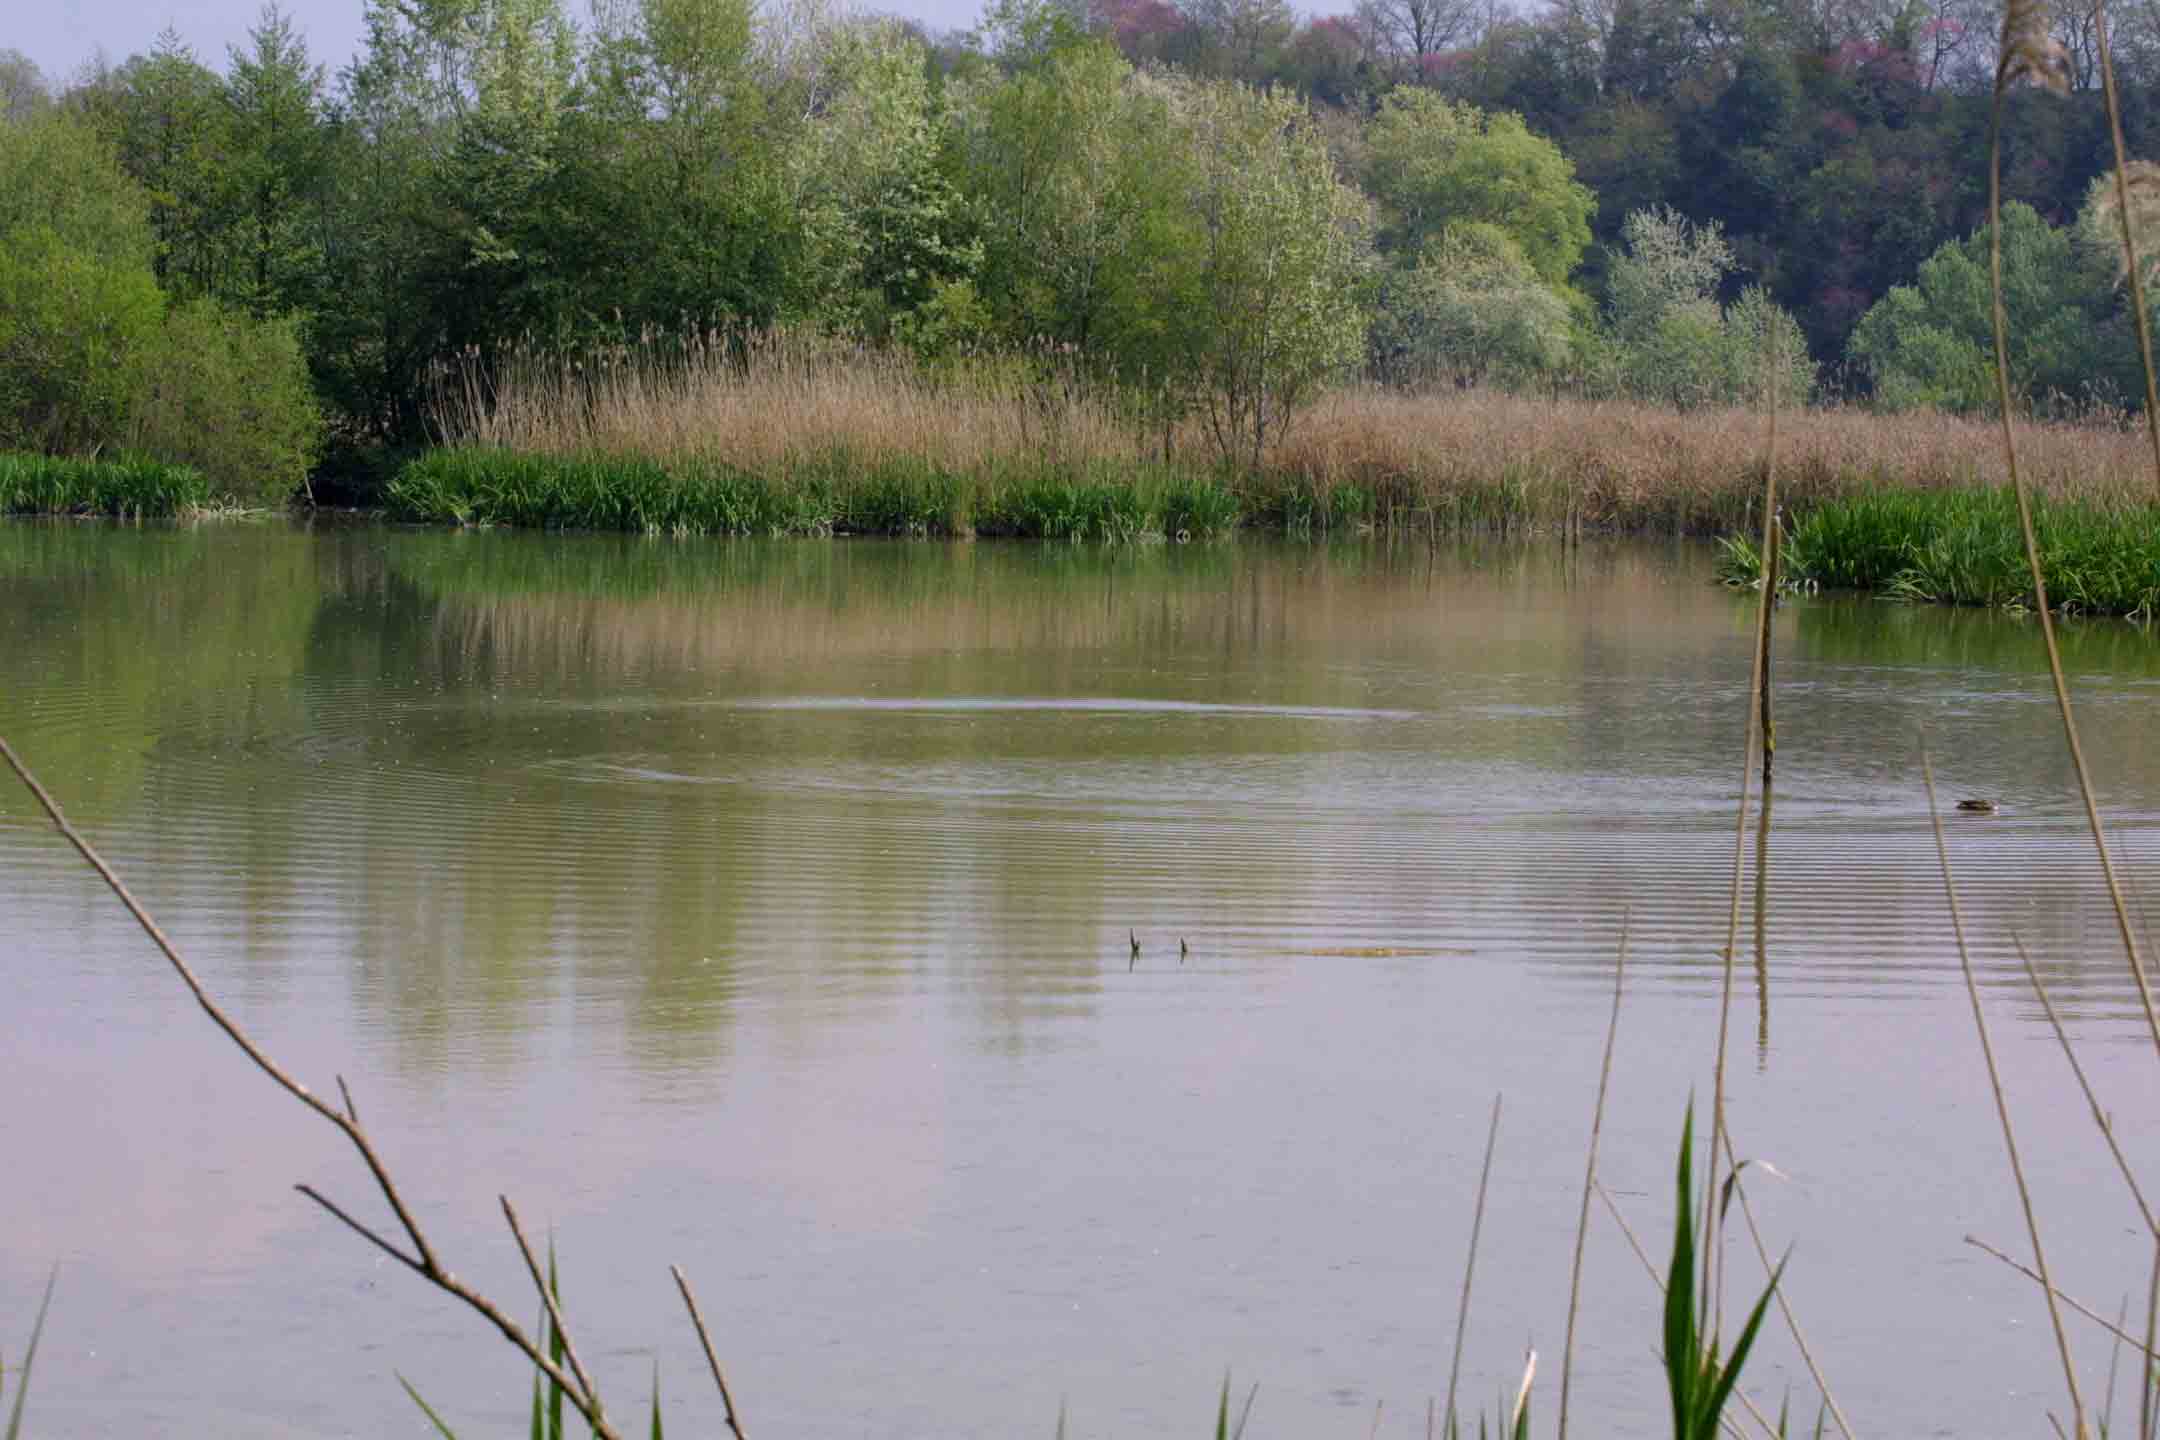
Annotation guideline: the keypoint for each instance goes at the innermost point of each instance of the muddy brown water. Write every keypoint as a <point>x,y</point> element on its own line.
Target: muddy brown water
<point>764,908</point>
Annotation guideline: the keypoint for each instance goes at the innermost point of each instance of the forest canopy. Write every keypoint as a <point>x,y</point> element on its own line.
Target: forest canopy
<point>1213,207</point>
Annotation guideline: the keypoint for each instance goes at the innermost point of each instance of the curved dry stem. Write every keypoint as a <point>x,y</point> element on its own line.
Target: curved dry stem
<point>424,1262</point>
<point>2100,1119</point>
<point>2150,1373</point>
<point>2129,242</point>
<point>2032,560</point>
<point>2002,1104</point>
<point>712,1357</point>
<point>2068,1299</point>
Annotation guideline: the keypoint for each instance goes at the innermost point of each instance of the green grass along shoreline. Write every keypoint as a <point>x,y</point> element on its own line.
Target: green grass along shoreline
<point>1958,546</point>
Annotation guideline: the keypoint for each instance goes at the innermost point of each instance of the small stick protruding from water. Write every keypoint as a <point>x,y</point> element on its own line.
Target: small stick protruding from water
<point>1183,950</point>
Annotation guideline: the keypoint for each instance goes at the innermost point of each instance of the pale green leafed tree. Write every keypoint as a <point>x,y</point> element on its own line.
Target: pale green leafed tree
<point>1432,163</point>
<point>885,229</point>
<point>1472,308</point>
<point>1279,271</point>
<point>1671,339</point>
<point>23,91</point>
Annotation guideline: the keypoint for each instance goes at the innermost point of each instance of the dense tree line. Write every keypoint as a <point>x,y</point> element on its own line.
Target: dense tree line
<point>1208,204</point>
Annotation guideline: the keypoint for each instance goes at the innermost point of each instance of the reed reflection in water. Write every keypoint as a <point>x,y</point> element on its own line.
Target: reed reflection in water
<point>766,907</point>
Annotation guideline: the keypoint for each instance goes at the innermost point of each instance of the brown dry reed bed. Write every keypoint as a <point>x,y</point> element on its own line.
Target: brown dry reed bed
<point>790,434</point>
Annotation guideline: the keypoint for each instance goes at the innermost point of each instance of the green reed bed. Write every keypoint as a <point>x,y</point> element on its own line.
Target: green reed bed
<point>823,494</point>
<point>131,487</point>
<point>1963,547</point>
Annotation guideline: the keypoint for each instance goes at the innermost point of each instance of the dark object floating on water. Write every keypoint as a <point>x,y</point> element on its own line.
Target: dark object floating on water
<point>1980,807</point>
<point>1182,950</point>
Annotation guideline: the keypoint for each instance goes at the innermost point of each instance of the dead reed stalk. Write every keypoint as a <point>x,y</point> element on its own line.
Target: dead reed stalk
<point>2029,51</point>
<point>2002,1104</point>
<point>1582,1220</point>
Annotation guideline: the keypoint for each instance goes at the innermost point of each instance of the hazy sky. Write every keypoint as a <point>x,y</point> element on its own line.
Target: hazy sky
<point>60,36</point>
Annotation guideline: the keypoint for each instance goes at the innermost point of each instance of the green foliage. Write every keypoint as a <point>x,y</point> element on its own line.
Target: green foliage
<point>276,170</point>
<point>885,228</point>
<point>227,394</point>
<point>1433,164</point>
<point>1279,269</point>
<point>1965,547</point>
<point>1700,1383</point>
<point>1671,341</point>
<point>1932,343</point>
<point>131,487</point>
<point>165,117</point>
<point>821,494</point>
<point>76,334</point>
<point>57,175</point>
<point>1471,307</point>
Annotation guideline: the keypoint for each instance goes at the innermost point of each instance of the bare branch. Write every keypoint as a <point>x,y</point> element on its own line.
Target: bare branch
<point>427,1265</point>
<point>365,1232</point>
<point>2070,1300</point>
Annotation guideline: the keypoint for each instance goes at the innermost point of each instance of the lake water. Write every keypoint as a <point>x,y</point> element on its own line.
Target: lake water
<point>764,908</point>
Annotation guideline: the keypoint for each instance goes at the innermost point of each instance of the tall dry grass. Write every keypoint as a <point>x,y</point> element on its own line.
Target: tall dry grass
<point>779,405</point>
<point>1629,465</point>
<point>765,402</point>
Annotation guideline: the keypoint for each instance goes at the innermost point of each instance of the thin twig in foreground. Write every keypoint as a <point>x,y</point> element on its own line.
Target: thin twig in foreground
<point>2107,1127</point>
<point>2002,1104</point>
<point>712,1358</point>
<point>1477,1224</point>
<point>1582,1220</point>
<point>425,1262</point>
<point>2068,1299</point>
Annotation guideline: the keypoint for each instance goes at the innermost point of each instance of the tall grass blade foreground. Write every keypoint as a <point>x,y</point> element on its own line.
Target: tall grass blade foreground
<point>2029,51</point>
<point>1699,1381</point>
<point>442,1427</point>
<point>22,1378</point>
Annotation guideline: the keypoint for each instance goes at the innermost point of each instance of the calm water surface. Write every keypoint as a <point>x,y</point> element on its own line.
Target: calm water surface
<point>763,908</point>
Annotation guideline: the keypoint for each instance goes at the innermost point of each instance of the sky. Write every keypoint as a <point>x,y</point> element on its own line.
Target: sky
<point>59,35</point>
